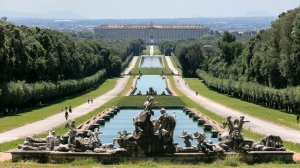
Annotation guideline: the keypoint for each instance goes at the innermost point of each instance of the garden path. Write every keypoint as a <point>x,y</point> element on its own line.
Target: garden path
<point>48,123</point>
<point>255,125</point>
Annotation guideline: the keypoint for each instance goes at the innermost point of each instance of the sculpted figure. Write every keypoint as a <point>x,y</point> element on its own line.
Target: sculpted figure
<point>51,140</point>
<point>165,122</point>
<point>187,137</point>
<point>269,143</point>
<point>94,140</point>
<point>122,140</point>
<point>149,103</point>
<point>233,139</point>
<point>203,144</point>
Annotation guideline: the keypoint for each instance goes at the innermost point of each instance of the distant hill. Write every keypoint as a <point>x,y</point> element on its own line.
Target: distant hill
<point>220,24</point>
<point>51,15</point>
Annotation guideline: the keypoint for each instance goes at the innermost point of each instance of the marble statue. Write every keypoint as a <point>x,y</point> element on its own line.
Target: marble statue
<point>269,143</point>
<point>187,138</point>
<point>51,139</point>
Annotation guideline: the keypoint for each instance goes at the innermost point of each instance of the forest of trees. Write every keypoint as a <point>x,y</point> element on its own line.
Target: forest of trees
<point>39,64</point>
<point>264,69</point>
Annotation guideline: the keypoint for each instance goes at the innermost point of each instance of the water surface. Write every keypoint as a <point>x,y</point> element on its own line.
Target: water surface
<point>124,121</point>
<point>155,81</point>
<point>151,62</point>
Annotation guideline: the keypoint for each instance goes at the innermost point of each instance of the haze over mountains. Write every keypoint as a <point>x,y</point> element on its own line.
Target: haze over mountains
<point>239,24</point>
<point>74,15</point>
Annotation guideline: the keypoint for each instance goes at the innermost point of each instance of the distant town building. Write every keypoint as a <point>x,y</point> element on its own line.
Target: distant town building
<point>151,33</point>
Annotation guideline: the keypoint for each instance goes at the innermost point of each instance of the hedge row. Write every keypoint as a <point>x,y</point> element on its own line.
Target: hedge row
<point>20,93</point>
<point>287,99</point>
<point>126,63</point>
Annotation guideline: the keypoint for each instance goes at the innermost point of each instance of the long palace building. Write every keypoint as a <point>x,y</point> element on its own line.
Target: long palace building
<point>151,33</point>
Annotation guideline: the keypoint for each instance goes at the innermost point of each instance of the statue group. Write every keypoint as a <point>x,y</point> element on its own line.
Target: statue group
<point>151,137</point>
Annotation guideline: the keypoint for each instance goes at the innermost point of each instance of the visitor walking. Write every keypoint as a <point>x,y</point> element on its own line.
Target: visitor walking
<point>91,101</point>
<point>70,109</point>
<point>298,118</point>
<point>66,115</point>
<point>88,101</point>
<point>196,93</point>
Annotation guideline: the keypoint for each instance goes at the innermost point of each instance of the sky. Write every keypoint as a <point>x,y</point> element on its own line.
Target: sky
<point>141,9</point>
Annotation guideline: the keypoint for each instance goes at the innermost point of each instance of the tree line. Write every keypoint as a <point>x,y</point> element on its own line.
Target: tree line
<point>287,99</point>
<point>268,62</point>
<point>40,64</point>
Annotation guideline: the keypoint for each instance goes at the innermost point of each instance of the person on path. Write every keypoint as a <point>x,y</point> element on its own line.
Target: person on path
<point>298,118</point>
<point>66,115</point>
<point>70,109</point>
<point>88,101</point>
<point>196,93</point>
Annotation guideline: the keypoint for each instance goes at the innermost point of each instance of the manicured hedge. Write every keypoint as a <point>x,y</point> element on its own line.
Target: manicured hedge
<point>20,93</point>
<point>126,62</point>
<point>287,99</point>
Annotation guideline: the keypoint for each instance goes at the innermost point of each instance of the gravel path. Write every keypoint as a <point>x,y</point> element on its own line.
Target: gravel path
<point>59,119</point>
<point>256,125</point>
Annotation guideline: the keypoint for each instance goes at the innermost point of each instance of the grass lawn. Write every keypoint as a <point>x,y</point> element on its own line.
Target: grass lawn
<point>147,51</point>
<point>175,63</point>
<point>268,114</point>
<point>227,162</point>
<point>151,71</point>
<point>128,86</point>
<point>34,114</point>
<point>60,130</point>
<point>156,50</point>
<point>231,161</point>
<point>162,101</point>
<point>219,119</point>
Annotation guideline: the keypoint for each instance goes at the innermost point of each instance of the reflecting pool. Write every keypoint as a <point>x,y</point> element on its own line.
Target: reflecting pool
<point>151,62</point>
<point>124,121</point>
<point>157,82</point>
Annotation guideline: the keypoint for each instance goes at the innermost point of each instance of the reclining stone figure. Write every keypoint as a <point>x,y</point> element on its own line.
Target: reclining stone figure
<point>269,143</point>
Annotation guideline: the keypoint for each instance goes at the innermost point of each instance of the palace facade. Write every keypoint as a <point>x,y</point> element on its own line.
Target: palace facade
<point>151,33</point>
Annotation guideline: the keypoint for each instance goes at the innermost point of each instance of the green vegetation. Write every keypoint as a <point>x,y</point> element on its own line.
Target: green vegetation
<point>230,161</point>
<point>18,93</point>
<point>283,99</point>
<point>264,70</point>
<point>176,63</point>
<point>147,50</point>
<point>61,129</point>
<point>128,86</point>
<point>167,47</point>
<point>41,112</point>
<point>151,71</point>
<point>40,64</point>
<point>191,104</point>
<point>162,101</point>
<point>192,54</point>
<point>255,110</point>
<point>156,50</point>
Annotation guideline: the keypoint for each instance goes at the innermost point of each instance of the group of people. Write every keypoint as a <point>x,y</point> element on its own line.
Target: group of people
<point>90,101</point>
<point>67,110</point>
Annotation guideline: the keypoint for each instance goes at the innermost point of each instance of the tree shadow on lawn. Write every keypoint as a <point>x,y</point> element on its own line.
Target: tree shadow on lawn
<point>56,100</point>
